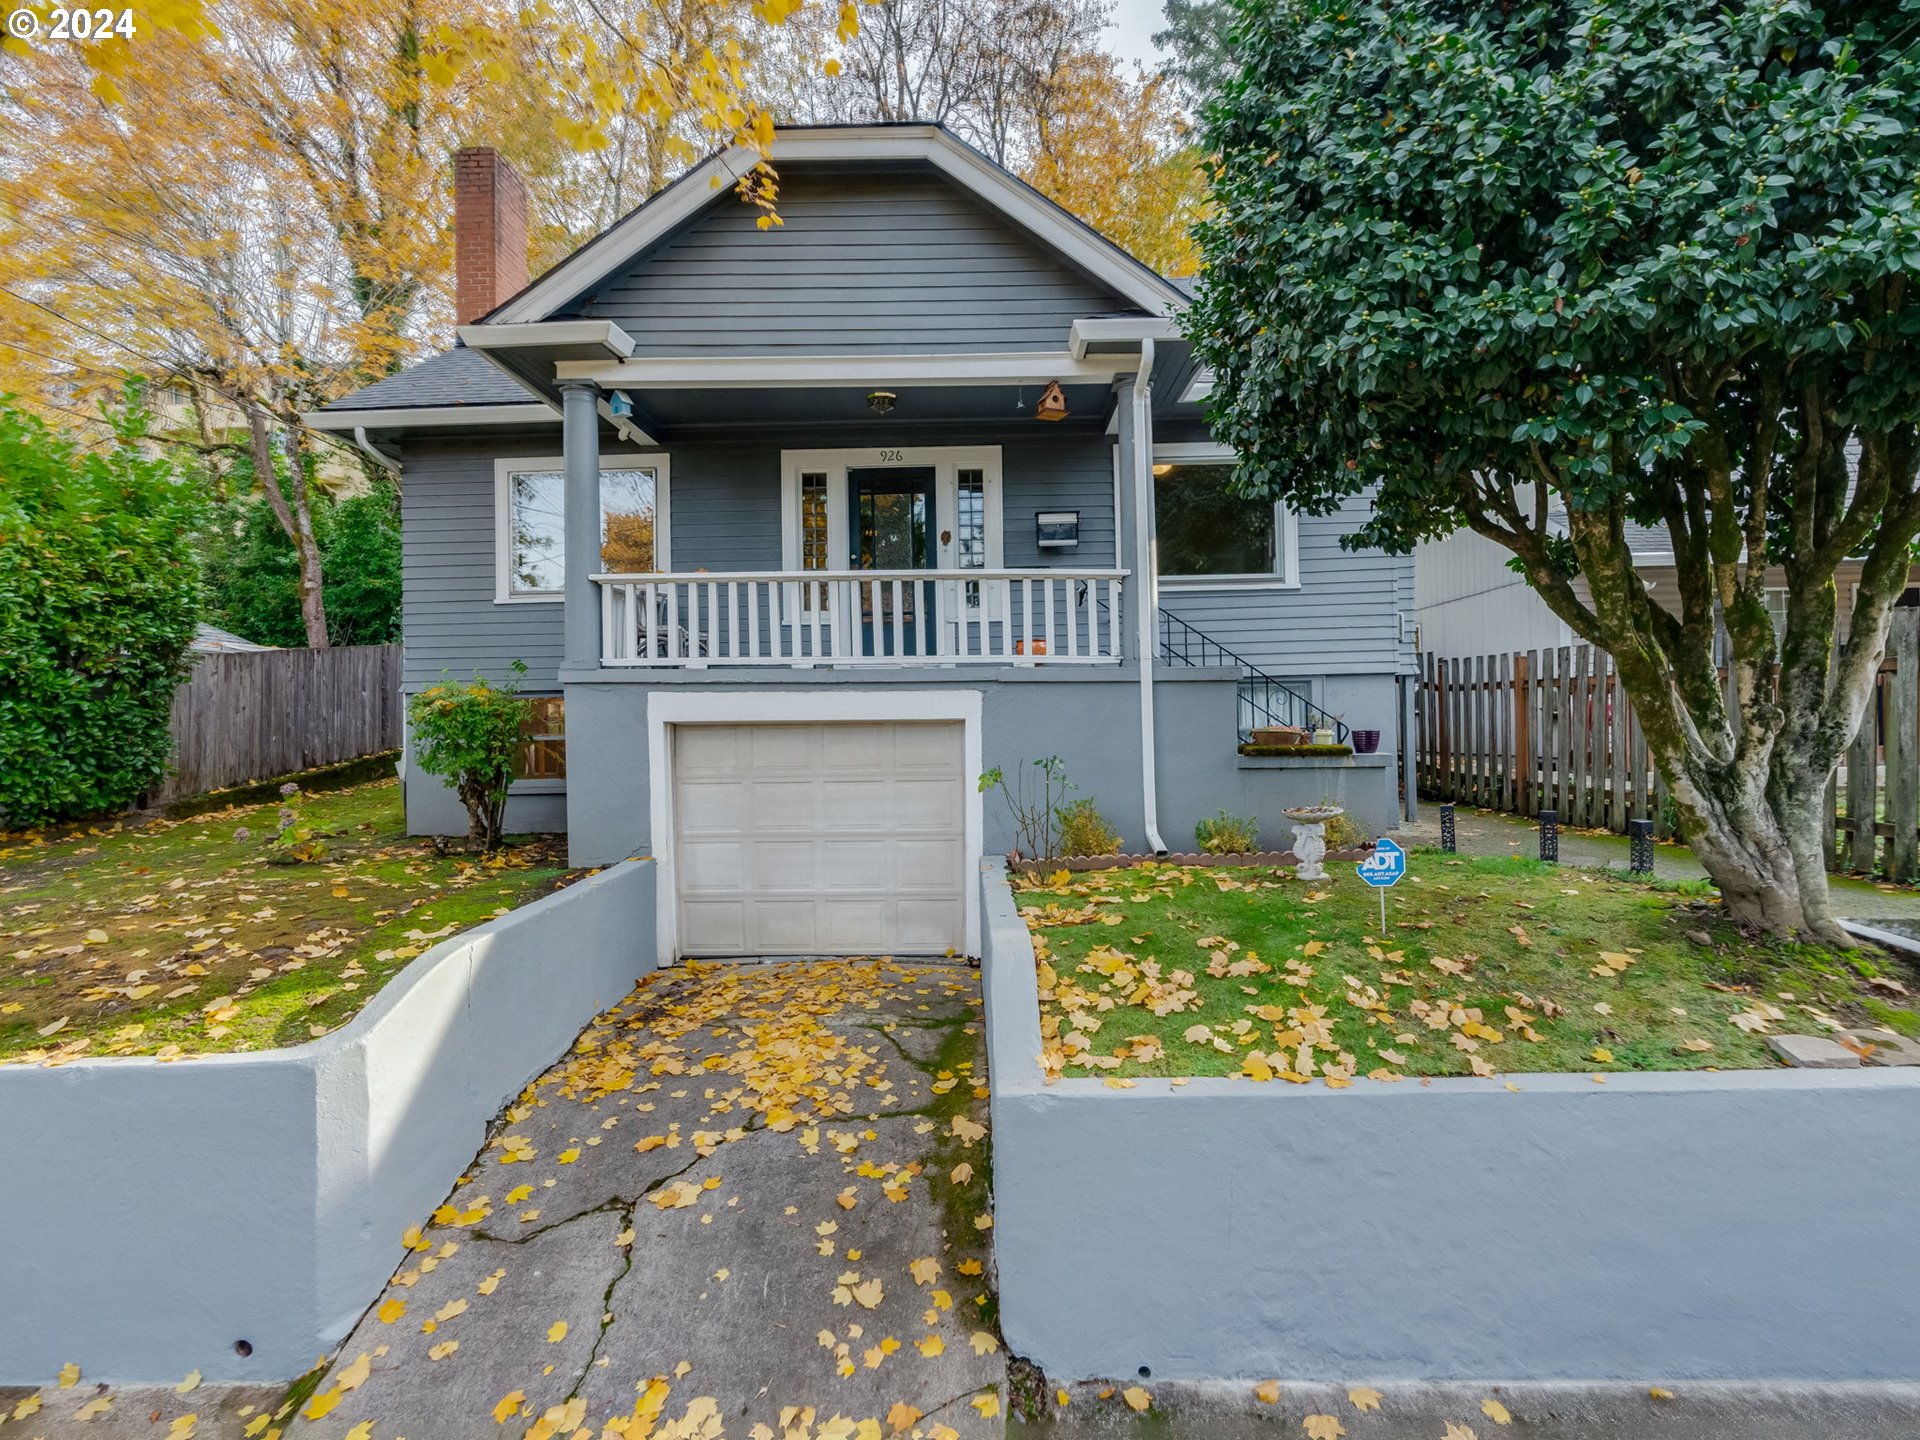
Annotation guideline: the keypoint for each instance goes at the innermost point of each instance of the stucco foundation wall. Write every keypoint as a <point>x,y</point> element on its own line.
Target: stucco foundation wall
<point>1701,1226</point>
<point>1090,719</point>
<point>155,1214</point>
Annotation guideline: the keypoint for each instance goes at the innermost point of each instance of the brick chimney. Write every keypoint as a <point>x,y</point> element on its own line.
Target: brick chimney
<point>489,231</point>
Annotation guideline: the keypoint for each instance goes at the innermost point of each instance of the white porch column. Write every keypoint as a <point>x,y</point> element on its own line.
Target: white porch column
<point>1142,588</point>
<point>580,444</point>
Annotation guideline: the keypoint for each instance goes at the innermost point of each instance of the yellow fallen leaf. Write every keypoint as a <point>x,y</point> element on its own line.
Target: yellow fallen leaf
<point>925,1270</point>
<point>509,1406</point>
<point>1602,1055</point>
<point>1323,1427</point>
<point>69,1375</point>
<point>442,1350</point>
<point>1267,1392</point>
<point>970,1267</point>
<point>867,1293</point>
<point>1496,1412</point>
<point>847,1198</point>
<point>29,1406</point>
<point>100,1405</point>
<point>987,1405</point>
<point>556,1332</point>
<point>390,1311</point>
<point>962,1173</point>
<point>983,1343</point>
<point>491,1283</point>
<point>901,1417</point>
<point>1459,1432</point>
<point>569,1155</point>
<point>1657,1393</point>
<point>321,1404</point>
<point>519,1193</point>
<point>183,1427</point>
<point>452,1308</point>
<point>97,937</point>
<point>931,1346</point>
<point>1364,1397</point>
<point>1137,1398</point>
<point>354,1375</point>
<point>190,1382</point>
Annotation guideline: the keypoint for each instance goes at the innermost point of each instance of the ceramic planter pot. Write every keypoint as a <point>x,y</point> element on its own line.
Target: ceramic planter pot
<point>1366,742</point>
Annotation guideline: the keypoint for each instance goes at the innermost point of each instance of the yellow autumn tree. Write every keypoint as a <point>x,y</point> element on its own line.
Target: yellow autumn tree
<point>1117,150</point>
<point>248,198</point>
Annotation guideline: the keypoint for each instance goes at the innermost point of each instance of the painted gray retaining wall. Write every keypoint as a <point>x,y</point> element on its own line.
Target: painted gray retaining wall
<point>1748,1224</point>
<point>152,1215</point>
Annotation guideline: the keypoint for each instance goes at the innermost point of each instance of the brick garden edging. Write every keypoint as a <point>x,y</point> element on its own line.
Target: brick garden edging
<point>1529,1227</point>
<point>1076,864</point>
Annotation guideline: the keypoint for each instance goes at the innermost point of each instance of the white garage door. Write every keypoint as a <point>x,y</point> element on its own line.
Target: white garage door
<point>828,839</point>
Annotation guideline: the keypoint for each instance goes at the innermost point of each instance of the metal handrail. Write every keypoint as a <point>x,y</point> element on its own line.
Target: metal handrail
<point>1264,701</point>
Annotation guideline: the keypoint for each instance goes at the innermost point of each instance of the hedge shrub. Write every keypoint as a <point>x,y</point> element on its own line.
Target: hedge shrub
<point>99,592</point>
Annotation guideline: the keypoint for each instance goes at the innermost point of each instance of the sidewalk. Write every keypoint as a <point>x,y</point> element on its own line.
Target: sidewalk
<point>1485,832</point>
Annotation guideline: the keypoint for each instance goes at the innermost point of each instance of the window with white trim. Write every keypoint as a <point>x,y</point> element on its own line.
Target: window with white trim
<point>1205,534</point>
<point>531,502</point>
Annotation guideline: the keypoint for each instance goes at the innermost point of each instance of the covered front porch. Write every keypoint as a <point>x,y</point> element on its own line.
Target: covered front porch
<point>844,511</point>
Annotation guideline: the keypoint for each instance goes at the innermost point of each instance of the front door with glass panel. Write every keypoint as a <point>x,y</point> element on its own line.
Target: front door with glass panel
<point>894,527</point>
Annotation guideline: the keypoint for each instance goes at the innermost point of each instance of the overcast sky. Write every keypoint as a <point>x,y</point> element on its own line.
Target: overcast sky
<point>1134,22</point>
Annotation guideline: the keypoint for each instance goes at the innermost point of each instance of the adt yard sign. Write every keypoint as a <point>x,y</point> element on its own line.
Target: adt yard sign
<point>1383,868</point>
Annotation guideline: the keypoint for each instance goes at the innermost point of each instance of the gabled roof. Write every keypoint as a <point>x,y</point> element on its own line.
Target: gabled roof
<point>659,216</point>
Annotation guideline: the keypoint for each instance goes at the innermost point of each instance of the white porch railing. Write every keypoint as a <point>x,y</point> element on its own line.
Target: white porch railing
<point>876,617</point>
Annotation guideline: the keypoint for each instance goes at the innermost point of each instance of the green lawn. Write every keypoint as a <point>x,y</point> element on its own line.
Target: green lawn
<point>1487,966</point>
<point>178,937</point>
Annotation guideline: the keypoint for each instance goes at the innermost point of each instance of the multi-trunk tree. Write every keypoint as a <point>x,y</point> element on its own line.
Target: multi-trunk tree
<point>1544,269</point>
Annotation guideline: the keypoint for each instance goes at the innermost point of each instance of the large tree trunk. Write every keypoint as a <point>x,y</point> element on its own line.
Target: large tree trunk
<point>296,522</point>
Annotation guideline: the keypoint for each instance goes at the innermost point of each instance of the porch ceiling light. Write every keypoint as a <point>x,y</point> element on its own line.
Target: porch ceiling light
<point>881,402</point>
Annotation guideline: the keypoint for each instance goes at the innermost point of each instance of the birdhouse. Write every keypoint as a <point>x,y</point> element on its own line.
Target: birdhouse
<point>1053,403</point>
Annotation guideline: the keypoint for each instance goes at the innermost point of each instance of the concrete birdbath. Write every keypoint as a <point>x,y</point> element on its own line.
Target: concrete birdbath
<point>1310,838</point>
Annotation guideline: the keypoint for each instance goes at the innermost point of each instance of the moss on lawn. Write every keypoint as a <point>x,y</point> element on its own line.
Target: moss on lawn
<point>178,933</point>
<point>1509,962</point>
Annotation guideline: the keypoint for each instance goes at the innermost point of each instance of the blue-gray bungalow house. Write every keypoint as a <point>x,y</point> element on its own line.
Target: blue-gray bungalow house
<point>800,529</point>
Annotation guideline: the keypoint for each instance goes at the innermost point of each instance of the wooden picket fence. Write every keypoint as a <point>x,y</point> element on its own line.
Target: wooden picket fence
<point>1553,730</point>
<point>253,714</point>
<point>1539,730</point>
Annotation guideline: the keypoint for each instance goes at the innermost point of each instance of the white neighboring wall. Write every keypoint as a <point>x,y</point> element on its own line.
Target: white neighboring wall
<point>156,1214</point>
<point>1466,601</point>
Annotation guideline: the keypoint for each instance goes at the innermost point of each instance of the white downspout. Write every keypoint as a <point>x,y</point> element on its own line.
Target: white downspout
<point>1146,583</point>
<point>372,451</point>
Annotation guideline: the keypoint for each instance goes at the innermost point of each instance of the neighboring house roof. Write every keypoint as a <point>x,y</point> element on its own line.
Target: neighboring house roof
<point>209,638</point>
<point>457,377</point>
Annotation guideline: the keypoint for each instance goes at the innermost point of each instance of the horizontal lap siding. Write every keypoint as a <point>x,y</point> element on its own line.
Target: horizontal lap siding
<point>724,514</point>
<point>450,619</point>
<point>1344,618</point>
<point>875,263</point>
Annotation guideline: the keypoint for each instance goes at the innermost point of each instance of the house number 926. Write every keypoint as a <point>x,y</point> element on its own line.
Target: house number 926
<point>892,457</point>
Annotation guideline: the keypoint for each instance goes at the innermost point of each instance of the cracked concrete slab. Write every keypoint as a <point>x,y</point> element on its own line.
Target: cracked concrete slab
<point>805,1129</point>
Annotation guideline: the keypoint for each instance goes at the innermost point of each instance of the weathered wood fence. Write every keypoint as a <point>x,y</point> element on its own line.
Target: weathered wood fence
<point>1553,730</point>
<point>252,715</point>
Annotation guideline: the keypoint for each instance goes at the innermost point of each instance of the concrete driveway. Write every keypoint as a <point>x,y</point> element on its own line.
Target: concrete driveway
<point>753,1199</point>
